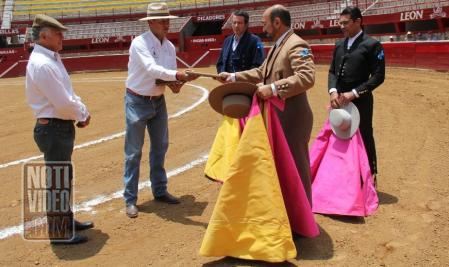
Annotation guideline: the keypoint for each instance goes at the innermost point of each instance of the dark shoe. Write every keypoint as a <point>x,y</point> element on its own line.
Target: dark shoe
<point>80,226</point>
<point>167,198</point>
<point>77,239</point>
<point>132,211</point>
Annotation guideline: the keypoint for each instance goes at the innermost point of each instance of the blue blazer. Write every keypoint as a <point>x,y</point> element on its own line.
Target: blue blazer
<point>249,53</point>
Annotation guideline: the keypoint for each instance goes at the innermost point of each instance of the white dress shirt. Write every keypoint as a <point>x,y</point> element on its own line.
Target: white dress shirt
<point>352,39</point>
<point>149,59</point>
<point>279,41</point>
<point>350,42</point>
<point>48,89</point>
<point>235,42</point>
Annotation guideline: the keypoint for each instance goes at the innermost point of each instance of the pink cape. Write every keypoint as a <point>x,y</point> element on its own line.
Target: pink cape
<point>295,198</point>
<point>342,182</point>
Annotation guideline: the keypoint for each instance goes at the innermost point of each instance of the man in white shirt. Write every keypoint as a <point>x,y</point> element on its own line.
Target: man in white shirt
<point>152,64</point>
<point>55,105</point>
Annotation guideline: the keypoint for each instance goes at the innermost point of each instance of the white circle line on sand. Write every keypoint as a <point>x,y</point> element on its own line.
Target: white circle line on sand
<point>79,80</point>
<point>116,135</point>
<point>89,204</point>
<point>74,80</point>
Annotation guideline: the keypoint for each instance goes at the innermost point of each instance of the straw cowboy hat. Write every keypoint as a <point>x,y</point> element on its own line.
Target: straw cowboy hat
<point>345,121</point>
<point>232,99</point>
<point>158,11</point>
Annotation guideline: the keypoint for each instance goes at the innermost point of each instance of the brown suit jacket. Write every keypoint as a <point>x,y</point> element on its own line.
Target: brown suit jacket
<point>291,64</point>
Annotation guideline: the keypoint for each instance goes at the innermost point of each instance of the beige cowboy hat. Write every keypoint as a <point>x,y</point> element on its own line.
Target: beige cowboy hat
<point>158,11</point>
<point>232,99</point>
<point>345,121</point>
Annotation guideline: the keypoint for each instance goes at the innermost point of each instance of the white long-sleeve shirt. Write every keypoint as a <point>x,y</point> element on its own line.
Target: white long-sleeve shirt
<point>149,59</point>
<point>48,88</point>
<point>351,40</point>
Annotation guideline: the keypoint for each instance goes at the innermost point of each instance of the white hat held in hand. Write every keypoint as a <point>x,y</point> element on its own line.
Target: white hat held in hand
<point>345,121</point>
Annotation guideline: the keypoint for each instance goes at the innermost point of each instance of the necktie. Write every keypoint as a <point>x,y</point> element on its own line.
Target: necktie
<point>268,61</point>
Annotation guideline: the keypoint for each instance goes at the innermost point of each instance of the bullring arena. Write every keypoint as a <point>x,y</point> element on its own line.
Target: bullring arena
<point>411,226</point>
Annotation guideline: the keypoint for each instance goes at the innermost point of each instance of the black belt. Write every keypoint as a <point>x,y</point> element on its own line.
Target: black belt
<point>54,121</point>
<point>149,97</point>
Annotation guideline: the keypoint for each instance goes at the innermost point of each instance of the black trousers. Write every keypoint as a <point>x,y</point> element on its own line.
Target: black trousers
<point>56,141</point>
<point>365,106</point>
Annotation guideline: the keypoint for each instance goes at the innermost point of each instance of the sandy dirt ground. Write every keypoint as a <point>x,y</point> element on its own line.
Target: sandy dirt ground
<point>411,226</point>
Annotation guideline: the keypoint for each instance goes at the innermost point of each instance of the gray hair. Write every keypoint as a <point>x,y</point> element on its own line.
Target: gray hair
<point>36,33</point>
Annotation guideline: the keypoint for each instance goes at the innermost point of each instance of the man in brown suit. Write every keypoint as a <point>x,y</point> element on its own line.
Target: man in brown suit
<point>287,72</point>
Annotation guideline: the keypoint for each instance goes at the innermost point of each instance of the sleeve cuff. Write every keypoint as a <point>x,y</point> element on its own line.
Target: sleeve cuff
<point>356,94</point>
<point>233,77</point>
<point>273,89</point>
<point>83,112</point>
<point>332,90</point>
<point>172,74</point>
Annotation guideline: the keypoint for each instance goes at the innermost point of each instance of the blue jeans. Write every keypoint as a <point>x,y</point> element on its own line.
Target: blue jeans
<point>144,113</point>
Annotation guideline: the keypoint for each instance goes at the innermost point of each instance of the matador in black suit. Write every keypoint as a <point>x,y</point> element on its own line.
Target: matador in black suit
<point>357,68</point>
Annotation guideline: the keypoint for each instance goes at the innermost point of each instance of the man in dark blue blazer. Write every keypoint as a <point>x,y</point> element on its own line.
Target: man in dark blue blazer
<point>241,50</point>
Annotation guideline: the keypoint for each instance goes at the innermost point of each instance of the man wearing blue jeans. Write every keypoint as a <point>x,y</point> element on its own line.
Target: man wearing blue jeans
<point>152,59</point>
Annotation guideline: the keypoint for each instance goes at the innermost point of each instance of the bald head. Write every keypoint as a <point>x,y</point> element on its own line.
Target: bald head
<point>279,11</point>
<point>276,21</point>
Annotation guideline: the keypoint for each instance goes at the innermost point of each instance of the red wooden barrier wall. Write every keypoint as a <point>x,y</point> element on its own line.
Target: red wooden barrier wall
<point>429,55</point>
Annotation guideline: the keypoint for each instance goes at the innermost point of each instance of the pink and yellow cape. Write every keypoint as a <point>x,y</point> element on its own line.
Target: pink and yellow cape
<point>262,199</point>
